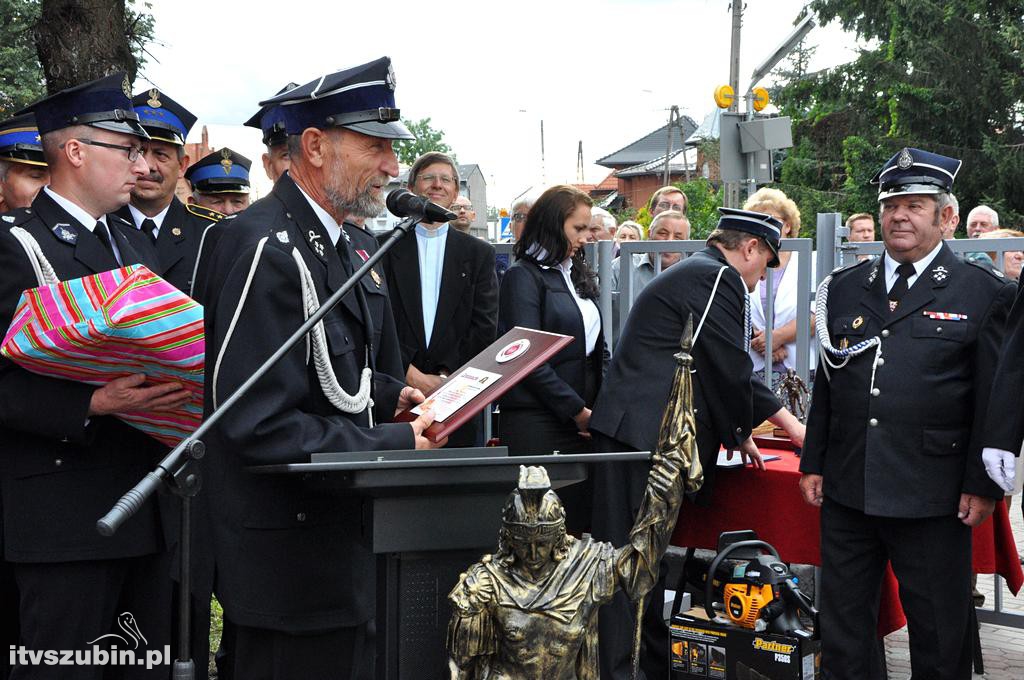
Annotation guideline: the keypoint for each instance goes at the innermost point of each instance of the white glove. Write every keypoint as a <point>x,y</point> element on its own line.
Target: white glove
<point>1001,467</point>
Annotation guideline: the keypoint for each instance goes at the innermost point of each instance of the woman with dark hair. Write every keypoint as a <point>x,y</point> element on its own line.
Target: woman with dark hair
<point>551,288</point>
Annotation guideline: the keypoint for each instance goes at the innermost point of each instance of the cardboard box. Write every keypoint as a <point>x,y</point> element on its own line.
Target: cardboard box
<point>704,649</point>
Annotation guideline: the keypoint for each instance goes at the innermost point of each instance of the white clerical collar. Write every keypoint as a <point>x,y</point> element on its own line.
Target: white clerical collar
<point>919,266</point>
<point>75,210</point>
<point>138,217</point>
<point>330,224</point>
<point>431,233</point>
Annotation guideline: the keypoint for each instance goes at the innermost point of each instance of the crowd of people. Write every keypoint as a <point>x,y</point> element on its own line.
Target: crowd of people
<point>91,176</point>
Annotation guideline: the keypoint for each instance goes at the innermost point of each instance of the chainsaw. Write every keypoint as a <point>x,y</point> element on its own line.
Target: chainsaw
<point>759,593</point>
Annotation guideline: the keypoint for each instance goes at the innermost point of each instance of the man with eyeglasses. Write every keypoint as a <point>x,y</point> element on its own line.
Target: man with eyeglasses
<point>463,207</point>
<point>65,456</point>
<point>444,291</point>
<point>667,198</point>
<point>520,211</point>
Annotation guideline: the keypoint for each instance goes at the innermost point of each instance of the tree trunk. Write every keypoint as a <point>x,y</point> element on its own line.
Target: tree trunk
<point>81,40</point>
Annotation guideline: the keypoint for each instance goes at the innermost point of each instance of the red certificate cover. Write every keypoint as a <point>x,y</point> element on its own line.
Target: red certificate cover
<point>486,377</point>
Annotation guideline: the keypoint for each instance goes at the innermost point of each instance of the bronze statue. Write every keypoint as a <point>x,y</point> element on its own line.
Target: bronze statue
<point>529,611</point>
<point>794,394</point>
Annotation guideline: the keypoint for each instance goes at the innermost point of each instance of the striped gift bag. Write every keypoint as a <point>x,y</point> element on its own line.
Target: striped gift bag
<point>110,325</point>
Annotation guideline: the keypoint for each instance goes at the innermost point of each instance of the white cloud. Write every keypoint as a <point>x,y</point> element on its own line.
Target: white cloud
<point>604,72</point>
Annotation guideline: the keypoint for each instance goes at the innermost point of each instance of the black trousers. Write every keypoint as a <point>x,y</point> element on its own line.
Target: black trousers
<point>339,654</point>
<point>931,558</point>
<point>66,605</point>
<point>8,615</point>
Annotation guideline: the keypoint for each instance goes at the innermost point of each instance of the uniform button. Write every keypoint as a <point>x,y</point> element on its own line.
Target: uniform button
<point>873,422</point>
<point>301,517</point>
<point>739,430</point>
<point>938,329</point>
<point>955,444</point>
<point>881,361</point>
<point>885,333</point>
<point>58,462</point>
<point>875,392</point>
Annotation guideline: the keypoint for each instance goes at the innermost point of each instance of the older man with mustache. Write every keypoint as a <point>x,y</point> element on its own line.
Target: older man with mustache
<point>293,571</point>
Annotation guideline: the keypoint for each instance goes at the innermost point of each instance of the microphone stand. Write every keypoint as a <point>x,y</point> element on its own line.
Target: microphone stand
<point>177,469</point>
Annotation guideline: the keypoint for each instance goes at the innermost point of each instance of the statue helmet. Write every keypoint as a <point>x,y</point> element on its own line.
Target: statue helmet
<point>533,510</point>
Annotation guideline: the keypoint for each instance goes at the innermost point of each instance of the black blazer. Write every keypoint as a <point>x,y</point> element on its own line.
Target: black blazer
<point>538,298</point>
<point>913,447</point>
<point>291,556</point>
<point>728,400</point>
<point>467,306</point>
<point>60,470</point>
<point>177,245</point>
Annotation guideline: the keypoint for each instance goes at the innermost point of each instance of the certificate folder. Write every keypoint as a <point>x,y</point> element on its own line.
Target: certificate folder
<point>486,377</point>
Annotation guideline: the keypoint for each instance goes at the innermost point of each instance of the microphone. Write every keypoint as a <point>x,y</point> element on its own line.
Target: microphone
<point>403,203</point>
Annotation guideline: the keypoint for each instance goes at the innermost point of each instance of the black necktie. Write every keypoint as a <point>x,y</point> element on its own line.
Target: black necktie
<point>899,289</point>
<point>149,228</point>
<point>103,235</point>
<point>346,261</point>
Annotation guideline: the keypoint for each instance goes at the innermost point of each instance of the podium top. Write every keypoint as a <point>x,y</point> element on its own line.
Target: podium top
<point>433,475</point>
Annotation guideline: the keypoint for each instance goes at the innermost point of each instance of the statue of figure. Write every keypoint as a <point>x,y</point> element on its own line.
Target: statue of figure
<point>794,394</point>
<point>529,611</point>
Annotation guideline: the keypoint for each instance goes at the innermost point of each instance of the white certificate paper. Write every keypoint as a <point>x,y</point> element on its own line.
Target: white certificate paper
<point>456,392</point>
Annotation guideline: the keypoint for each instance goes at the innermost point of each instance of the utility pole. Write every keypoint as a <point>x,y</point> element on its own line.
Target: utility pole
<point>543,172</point>
<point>732,189</point>
<point>579,163</point>
<point>734,51</point>
<point>674,123</point>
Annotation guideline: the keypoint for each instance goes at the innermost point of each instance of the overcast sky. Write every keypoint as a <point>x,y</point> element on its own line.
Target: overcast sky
<point>604,72</point>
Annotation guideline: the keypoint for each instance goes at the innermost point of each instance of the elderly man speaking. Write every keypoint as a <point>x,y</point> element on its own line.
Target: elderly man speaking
<point>293,573</point>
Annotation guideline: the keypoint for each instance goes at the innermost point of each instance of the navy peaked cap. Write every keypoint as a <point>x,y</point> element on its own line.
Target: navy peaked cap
<point>163,118</point>
<point>913,171</point>
<point>103,103</point>
<point>221,172</point>
<point>19,141</point>
<point>759,224</point>
<point>361,98</point>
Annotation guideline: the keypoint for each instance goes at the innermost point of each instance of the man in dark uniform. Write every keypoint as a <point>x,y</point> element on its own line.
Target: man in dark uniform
<point>293,571</point>
<point>220,181</point>
<point>270,121</point>
<point>444,291</point>
<point>175,229</point>
<point>64,457</point>
<point>711,286</point>
<point>898,479</point>
<point>23,173</point>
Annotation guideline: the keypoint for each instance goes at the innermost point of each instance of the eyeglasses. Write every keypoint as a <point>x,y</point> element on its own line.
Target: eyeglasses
<point>443,179</point>
<point>461,208</point>
<point>519,217</point>
<point>665,205</point>
<point>133,151</point>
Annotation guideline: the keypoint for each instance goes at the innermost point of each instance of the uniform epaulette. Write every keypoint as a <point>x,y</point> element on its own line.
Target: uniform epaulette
<point>850,267</point>
<point>205,213</point>
<point>990,270</point>
<point>15,217</point>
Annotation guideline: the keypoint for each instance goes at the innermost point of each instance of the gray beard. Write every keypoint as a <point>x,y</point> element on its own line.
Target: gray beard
<point>365,204</point>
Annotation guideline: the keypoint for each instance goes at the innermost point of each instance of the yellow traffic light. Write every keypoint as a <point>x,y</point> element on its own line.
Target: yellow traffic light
<point>724,96</point>
<point>760,98</point>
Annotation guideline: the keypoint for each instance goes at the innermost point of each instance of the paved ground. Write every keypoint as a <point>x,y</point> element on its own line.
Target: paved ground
<point>1003,646</point>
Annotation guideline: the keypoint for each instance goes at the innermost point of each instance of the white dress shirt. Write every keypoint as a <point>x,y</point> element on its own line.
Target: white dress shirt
<point>86,220</point>
<point>430,245</point>
<point>158,219</point>
<point>919,267</point>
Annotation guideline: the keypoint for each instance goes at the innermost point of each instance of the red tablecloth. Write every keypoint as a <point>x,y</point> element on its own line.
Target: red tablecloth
<point>770,503</point>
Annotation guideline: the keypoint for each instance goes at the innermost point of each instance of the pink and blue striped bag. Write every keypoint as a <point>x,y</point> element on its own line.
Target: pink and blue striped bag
<point>110,325</point>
